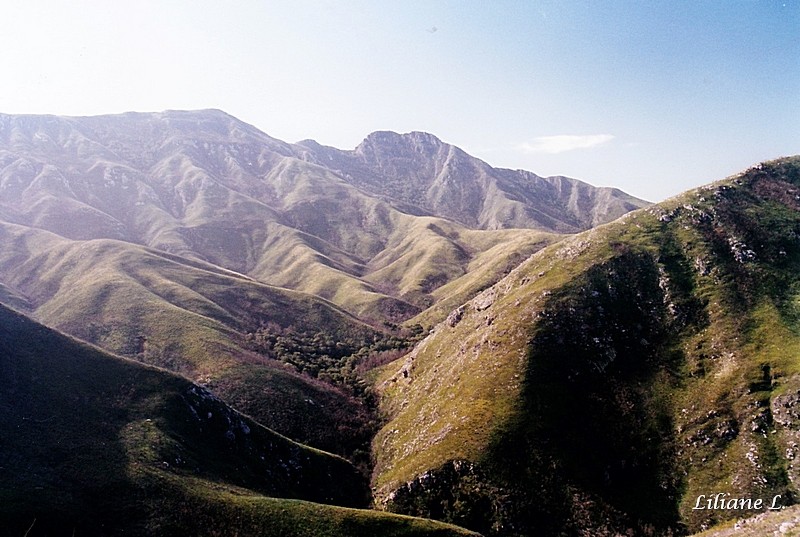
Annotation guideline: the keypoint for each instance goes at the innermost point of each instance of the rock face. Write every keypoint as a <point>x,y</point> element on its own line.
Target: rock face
<point>420,173</point>
<point>614,377</point>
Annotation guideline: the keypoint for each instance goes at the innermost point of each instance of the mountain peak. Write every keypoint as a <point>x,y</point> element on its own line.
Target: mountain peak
<point>414,140</point>
<point>420,170</point>
<point>392,136</point>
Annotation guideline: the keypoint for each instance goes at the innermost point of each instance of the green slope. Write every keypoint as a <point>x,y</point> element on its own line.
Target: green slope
<point>91,444</point>
<point>613,377</point>
<point>189,317</point>
<point>498,252</point>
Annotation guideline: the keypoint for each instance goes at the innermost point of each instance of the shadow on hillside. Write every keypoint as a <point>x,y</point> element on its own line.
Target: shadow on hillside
<point>98,445</point>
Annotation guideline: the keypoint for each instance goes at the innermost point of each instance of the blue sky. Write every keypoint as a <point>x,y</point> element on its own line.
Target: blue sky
<point>652,97</point>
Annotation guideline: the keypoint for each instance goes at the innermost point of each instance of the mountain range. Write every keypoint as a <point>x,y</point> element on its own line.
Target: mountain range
<point>361,229</point>
<point>176,238</point>
<point>509,353</point>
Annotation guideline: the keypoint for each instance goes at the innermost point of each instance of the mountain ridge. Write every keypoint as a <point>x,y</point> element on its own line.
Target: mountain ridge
<point>501,198</point>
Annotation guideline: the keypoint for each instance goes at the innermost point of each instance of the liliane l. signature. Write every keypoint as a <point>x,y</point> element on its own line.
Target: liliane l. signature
<point>722,500</point>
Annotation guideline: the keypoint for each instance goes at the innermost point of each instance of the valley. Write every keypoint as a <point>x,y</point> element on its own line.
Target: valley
<point>414,342</point>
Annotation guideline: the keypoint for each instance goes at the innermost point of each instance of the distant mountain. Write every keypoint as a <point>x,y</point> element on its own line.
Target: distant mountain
<point>614,377</point>
<point>418,173</point>
<point>91,444</point>
<point>344,226</point>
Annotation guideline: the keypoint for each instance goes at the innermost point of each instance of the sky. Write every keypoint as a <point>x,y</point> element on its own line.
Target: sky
<point>653,97</point>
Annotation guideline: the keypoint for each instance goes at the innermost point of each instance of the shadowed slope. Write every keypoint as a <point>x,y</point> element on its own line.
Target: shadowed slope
<point>96,445</point>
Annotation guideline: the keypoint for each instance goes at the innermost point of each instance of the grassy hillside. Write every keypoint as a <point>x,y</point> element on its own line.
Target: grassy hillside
<point>613,377</point>
<point>485,269</point>
<point>91,444</point>
<point>190,317</point>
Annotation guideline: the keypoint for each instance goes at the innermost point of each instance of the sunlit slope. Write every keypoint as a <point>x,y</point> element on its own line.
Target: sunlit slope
<point>486,267</point>
<point>613,377</point>
<point>100,290</point>
<point>92,444</point>
<point>187,316</point>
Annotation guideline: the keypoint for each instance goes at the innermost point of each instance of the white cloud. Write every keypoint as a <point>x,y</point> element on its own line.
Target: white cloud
<point>564,142</point>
